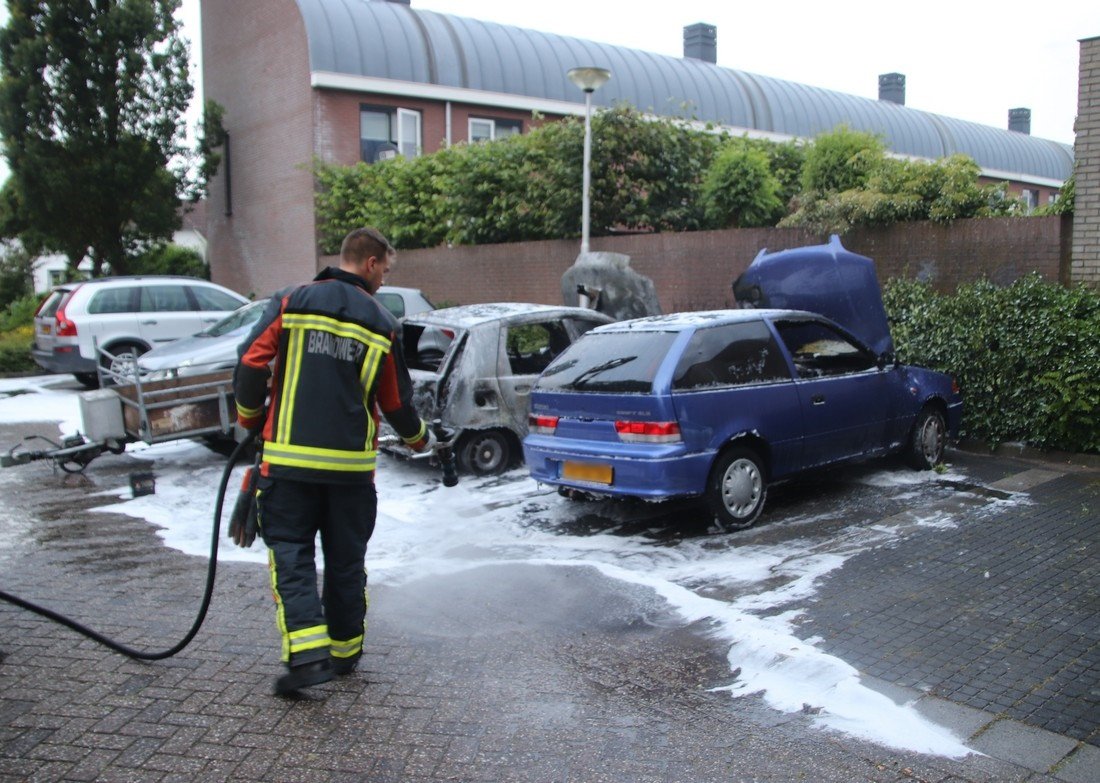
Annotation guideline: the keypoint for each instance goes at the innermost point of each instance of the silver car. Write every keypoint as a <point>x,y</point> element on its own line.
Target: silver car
<point>473,368</point>
<point>214,348</point>
<point>403,301</point>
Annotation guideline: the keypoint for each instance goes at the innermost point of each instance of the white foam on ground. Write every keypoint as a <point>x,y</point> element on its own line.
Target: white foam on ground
<point>425,529</point>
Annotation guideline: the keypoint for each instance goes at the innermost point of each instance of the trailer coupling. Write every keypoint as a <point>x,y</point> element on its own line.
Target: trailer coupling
<point>72,454</point>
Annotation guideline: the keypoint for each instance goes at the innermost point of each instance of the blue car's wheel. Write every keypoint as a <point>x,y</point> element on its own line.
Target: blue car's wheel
<point>927,440</point>
<point>737,489</point>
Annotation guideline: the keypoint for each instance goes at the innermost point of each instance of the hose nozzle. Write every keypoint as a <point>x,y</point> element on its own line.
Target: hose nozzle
<point>444,452</point>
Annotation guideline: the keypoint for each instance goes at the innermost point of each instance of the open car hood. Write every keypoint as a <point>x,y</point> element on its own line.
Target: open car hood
<point>824,279</point>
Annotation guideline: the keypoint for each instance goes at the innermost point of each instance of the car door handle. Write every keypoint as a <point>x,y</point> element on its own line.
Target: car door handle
<point>148,323</point>
<point>818,399</point>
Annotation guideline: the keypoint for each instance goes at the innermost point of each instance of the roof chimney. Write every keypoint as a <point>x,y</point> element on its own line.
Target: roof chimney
<point>701,42</point>
<point>891,88</point>
<point>1019,120</point>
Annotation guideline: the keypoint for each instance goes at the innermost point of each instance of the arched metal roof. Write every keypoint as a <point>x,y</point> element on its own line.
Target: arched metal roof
<point>388,40</point>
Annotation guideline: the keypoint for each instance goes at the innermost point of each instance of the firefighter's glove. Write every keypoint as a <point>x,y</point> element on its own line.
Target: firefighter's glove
<point>243,521</point>
<point>251,423</point>
<point>426,444</point>
<point>251,419</point>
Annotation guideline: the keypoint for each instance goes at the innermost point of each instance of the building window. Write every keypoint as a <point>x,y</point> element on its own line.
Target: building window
<point>1030,197</point>
<point>408,132</point>
<point>385,132</point>
<point>485,129</point>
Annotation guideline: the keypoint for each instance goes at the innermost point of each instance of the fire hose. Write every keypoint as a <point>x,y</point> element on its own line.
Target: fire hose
<point>242,528</point>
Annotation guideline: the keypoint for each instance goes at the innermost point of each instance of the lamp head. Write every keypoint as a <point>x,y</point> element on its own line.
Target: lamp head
<point>589,78</point>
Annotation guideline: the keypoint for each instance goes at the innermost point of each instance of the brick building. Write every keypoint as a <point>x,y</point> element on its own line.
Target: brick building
<point>1086,219</point>
<point>350,80</point>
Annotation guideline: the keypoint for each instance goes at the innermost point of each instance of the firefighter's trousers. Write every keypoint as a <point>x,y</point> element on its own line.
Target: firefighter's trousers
<point>291,513</point>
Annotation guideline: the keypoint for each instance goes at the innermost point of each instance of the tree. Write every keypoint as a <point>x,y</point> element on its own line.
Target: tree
<point>647,172</point>
<point>16,274</point>
<point>92,99</point>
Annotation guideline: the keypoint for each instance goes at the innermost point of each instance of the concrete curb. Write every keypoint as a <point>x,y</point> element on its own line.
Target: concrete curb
<point>1002,738</point>
<point>1023,451</point>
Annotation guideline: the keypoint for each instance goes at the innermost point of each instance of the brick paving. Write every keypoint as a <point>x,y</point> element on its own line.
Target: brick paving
<point>1001,613</point>
<point>520,673</point>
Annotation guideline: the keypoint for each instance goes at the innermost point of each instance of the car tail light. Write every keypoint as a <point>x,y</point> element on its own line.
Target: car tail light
<point>955,387</point>
<point>648,431</point>
<point>542,425</point>
<point>448,333</point>
<point>65,327</point>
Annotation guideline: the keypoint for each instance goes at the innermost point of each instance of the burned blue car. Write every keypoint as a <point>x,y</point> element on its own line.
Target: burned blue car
<point>721,404</point>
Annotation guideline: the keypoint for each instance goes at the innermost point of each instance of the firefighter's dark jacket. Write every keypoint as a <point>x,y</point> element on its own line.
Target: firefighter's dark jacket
<point>338,360</point>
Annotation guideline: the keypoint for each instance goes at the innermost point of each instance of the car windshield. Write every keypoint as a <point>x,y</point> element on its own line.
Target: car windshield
<point>609,362</point>
<point>243,316</point>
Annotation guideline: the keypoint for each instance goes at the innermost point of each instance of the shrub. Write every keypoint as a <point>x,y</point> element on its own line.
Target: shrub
<point>740,190</point>
<point>15,350</point>
<point>1027,356</point>
<point>841,160</point>
<point>899,190</point>
<point>646,176</point>
<point>1063,203</point>
<point>18,313</point>
<point>16,335</point>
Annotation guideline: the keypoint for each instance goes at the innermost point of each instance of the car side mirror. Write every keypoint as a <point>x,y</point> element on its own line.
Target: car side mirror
<point>886,359</point>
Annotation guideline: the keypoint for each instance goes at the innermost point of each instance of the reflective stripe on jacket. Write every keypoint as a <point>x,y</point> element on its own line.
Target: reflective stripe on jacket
<point>337,361</point>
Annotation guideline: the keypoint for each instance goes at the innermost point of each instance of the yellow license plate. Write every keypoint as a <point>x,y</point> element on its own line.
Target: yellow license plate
<point>587,471</point>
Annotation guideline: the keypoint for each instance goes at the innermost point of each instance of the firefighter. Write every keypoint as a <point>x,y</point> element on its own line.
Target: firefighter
<point>337,362</point>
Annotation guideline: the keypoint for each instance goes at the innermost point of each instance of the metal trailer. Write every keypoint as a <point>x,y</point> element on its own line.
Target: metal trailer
<point>126,409</point>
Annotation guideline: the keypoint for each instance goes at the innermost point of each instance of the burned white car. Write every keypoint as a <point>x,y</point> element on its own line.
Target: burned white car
<point>473,368</point>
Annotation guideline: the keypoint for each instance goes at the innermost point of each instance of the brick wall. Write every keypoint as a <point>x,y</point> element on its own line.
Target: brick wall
<point>694,271</point>
<point>255,65</point>
<point>1086,235</point>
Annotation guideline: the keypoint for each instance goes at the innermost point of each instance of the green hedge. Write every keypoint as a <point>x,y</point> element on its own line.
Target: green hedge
<point>1027,356</point>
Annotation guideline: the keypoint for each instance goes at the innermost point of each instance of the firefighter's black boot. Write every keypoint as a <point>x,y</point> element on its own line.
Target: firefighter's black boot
<point>342,667</point>
<point>312,673</point>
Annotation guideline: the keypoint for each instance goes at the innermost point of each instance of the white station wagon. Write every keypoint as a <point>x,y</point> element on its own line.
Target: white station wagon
<point>125,316</point>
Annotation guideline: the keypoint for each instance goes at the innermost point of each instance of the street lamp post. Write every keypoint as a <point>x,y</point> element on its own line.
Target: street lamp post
<point>588,79</point>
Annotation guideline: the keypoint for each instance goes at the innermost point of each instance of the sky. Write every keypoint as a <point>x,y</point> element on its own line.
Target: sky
<point>749,595</point>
